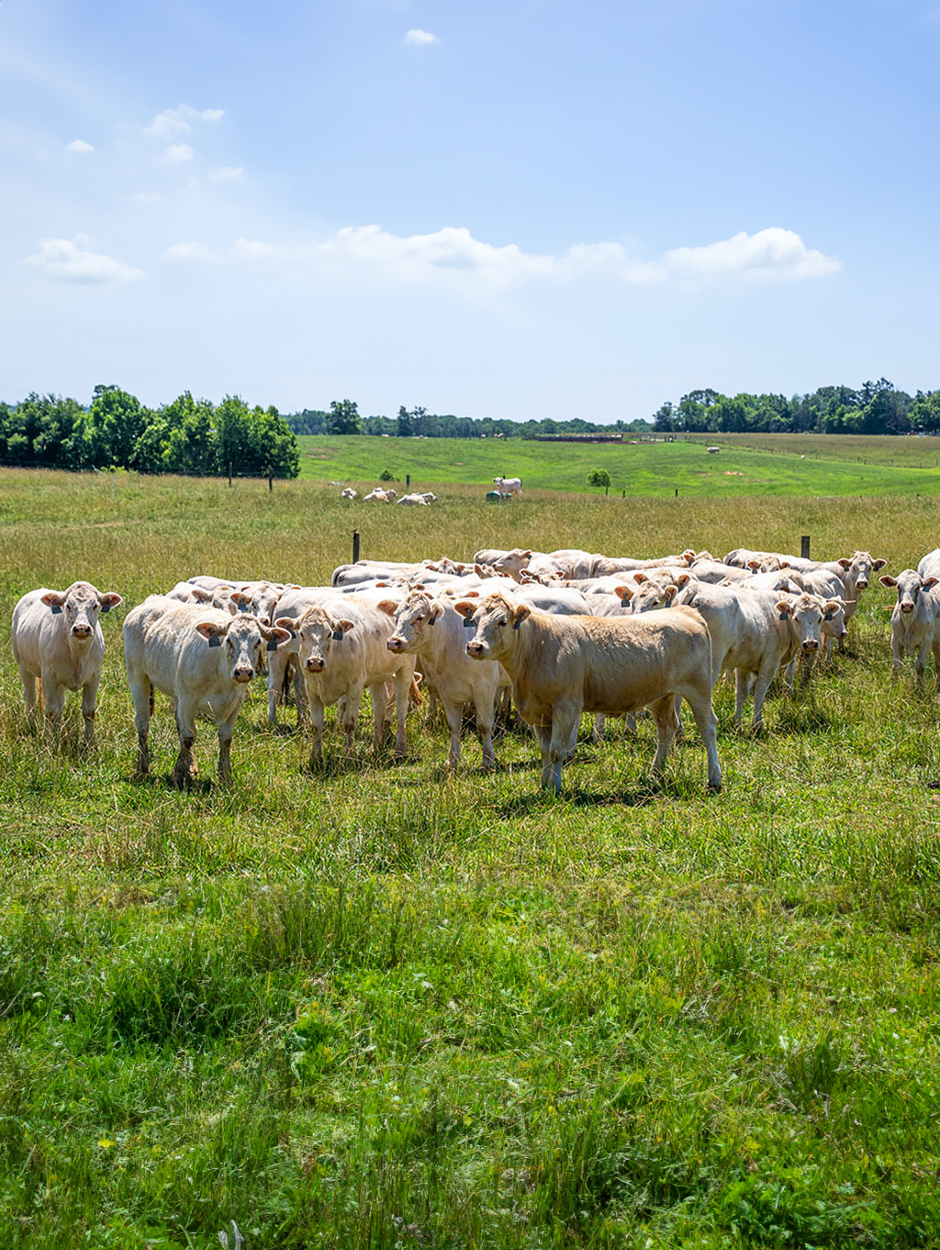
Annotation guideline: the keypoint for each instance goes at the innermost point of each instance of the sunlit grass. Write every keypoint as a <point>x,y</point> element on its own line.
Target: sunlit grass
<point>385,1005</point>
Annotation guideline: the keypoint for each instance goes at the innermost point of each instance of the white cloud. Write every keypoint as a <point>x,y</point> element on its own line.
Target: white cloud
<point>420,37</point>
<point>452,257</point>
<point>176,121</point>
<point>79,145</point>
<point>177,152</point>
<point>226,173</point>
<point>67,260</point>
<point>771,253</point>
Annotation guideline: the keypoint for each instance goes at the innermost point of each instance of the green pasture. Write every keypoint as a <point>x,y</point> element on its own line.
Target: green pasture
<point>386,1006</point>
<point>774,465</point>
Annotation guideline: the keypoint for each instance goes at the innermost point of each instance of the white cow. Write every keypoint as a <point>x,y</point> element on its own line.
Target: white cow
<point>203,661</point>
<point>563,666</point>
<point>342,651</point>
<point>349,493</point>
<point>434,631</point>
<point>509,486</point>
<point>377,495</point>
<point>915,621</point>
<point>57,641</point>
<point>420,500</point>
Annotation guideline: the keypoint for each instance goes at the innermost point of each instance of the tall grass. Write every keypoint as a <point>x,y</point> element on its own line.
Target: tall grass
<point>388,1006</point>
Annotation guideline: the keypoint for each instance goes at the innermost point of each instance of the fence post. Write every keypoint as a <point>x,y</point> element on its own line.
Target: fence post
<point>804,547</point>
<point>355,546</point>
<point>230,473</point>
<point>407,481</point>
<point>270,480</point>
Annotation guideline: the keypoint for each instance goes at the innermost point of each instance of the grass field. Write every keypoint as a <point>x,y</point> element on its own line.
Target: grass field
<point>785,464</point>
<point>385,1006</point>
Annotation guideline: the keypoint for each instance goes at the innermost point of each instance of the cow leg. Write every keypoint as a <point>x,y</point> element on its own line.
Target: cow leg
<point>742,685</point>
<point>315,704</point>
<point>89,699</point>
<point>403,679</point>
<point>566,720</point>
<point>597,733</point>
<point>300,691</point>
<point>226,729</point>
<point>185,768</point>
<point>761,686</point>
<point>707,723</point>
<point>350,716</point>
<point>29,689</point>
<point>277,672</point>
<point>790,675</point>
<point>543,734</point>
<point>485,710</point>
<point>54,697</point>
<point>920,664</point>
<point>453,713</point>
<point>142,694</point>
<point>667,723</point>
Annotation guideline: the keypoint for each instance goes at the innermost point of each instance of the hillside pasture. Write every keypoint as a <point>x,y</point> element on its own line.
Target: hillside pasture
<point>767,465</point>
<point>384,1005</point>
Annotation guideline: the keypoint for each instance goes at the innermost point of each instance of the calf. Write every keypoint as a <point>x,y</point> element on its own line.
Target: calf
<point>341,652</point>
<point>432,630</point>
<point>563,666</point>
<point>203,661</point>
<point>58,642</point>
<point>915,621</point>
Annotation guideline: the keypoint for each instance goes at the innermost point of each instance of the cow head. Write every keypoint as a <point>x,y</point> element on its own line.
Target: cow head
<point>858,570</point>
<point>81,604</point>
<point>648,595</point>
<point>413,618</point>
<point>909,585</point>
<point>804,616</point>
<point>318,632</point>
<point>245,640</point>
<point>494,621</point>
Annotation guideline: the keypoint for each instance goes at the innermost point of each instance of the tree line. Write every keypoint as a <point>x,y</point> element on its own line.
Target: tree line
<point>188,436</point>
<point>875,408</point>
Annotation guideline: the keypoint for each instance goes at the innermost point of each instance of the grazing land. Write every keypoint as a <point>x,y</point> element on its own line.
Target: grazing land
<point>760,464</point>
<point>385,1006</point>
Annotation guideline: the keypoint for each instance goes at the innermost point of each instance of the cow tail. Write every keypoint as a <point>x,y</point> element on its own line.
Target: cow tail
<point>415,697</point>
<point>151,698</point>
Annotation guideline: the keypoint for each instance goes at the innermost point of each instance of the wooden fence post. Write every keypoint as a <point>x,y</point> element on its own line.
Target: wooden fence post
<point>355,546</point>
<point>804,547</point>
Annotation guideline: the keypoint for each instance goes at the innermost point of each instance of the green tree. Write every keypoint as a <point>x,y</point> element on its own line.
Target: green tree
<point>344,417</point>
<point>599,477</point>
<point>406,427</point>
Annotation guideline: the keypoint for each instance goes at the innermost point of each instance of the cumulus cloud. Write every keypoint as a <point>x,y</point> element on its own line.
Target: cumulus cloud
<point>79,145</point>
<point>68,260</point>
<point>226,173</point>
<point>769,253</point>
<point>420,37</point>
<point>453,257</point>
<point>178,152</point>
<point>176,121</point>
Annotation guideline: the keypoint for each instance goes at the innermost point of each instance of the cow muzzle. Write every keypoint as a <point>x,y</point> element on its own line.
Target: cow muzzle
<point>81,631</point>
<point>396,644</point>
<point>475,649</point>
<point>314,664</point>
<point>810,645</point>
<point>862,583</point>
<point>244,675</point>
<point>906,608</point>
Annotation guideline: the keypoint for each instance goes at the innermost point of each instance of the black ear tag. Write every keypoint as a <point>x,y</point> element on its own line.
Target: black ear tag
<point>468,622</point>
<point>214,641</point>
<point>783,616</point>
<point>105,607</point>
<point>516,624</point>
<point>272,645</point>
<point>338,635</point>
<point>828,616</point>
<point>625,602</point>
<point>56,610</point>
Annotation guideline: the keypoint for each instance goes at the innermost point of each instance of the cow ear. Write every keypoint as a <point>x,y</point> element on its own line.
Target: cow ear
<point>54,599</point>
<point>888,580</point>
<point>784,607</point>
<point>753,565</point>
<point>275,636</point>
<point>201,595</point>
<point>640,578</point>
<point>212,633</point>
<point>670,592</point>
<point>388,606</point>
<point>683,580</point>
<point>844,563</point>
<point>285,622</point>
<point>241,600</point>
<point>624,593</point>
<point>346,626</point>
<point>830,608</point>
<point>785,564</point>
<point>464,609</point>
<point>520,613</point>
<point>437,610</point>
<point>109,600</point>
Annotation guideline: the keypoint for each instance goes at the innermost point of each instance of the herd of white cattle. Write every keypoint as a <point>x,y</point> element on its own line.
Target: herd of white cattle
<point>566,632</point>
<point>506,488</point>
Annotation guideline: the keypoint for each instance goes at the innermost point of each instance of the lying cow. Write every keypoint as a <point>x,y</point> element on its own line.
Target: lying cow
<point>58,642</point>
<point>563,666</point>
<point>203,661</point>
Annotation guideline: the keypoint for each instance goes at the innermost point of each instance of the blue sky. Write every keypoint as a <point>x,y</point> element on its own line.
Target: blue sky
<point>510,208</point>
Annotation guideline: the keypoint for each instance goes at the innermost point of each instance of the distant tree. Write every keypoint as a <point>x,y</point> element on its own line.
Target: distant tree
<point>344,417</point>
<point>406,426</point>
<point>599,477</point>
<point>924,412</point>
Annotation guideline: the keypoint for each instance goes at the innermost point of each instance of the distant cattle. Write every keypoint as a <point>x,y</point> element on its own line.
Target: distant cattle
<point>57,642</point>
<point>509,485</point>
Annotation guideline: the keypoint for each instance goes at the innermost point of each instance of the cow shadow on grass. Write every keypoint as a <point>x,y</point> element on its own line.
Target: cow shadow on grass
<point>532,802</point>
<point>197,785</point>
